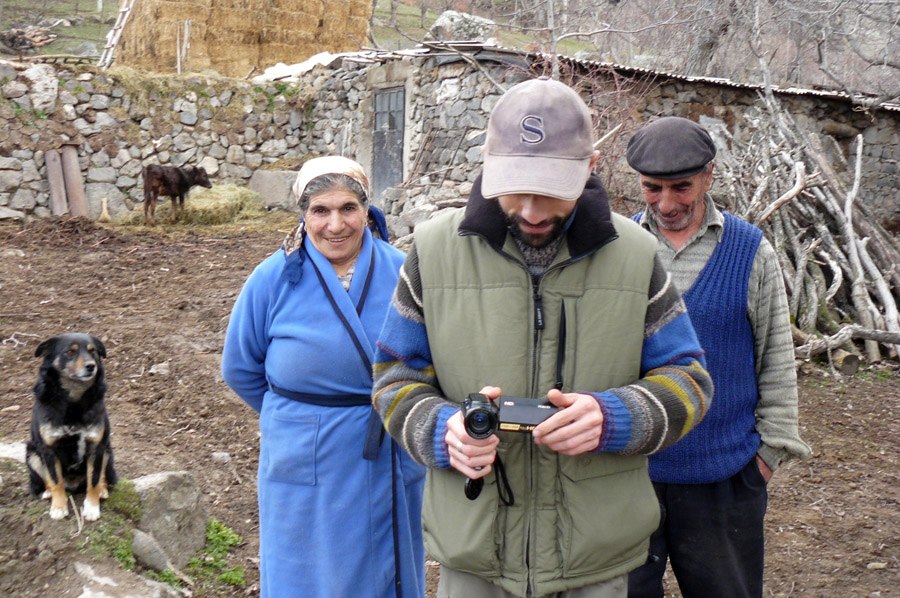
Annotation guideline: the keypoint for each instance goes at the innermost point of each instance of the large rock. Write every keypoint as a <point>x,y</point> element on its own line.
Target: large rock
<point>44,86</point>
<point>459,26</point>
<point>173,512</point>
<point>10,180</point>
<point>9,214</point>
<point>274,188</point>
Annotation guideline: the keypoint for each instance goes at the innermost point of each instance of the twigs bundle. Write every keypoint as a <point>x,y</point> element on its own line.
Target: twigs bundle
<point>840,267</point>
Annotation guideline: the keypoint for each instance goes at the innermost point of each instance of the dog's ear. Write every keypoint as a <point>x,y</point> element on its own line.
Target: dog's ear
<point>99,345</point>
<point>45,346</point>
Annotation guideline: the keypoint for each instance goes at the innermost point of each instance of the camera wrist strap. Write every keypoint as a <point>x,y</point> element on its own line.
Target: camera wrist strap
<point>504,490</point>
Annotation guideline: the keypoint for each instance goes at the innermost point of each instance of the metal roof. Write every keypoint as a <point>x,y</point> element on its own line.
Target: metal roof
<point>490,52</point>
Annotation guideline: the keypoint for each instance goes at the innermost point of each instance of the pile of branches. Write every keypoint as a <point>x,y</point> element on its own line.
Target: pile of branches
<point>841,268</point>
<point>27,39</point>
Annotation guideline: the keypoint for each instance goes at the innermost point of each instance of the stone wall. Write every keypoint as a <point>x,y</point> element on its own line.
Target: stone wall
<point>232,37</point>
<point>120,121</point>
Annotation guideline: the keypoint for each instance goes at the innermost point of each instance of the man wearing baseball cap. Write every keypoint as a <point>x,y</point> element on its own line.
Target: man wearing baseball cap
<point>712,484</point>
<point>537,290</point>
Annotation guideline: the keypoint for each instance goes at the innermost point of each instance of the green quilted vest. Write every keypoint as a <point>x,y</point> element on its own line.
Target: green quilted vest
<point>576,520</point>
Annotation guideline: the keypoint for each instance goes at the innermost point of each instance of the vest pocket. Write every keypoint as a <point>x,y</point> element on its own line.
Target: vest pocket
<point>609,510</point>
<point>288,449</point>
<point>461,533</point>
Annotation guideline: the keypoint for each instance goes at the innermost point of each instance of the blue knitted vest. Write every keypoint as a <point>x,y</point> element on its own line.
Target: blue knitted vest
<point>725,441</point>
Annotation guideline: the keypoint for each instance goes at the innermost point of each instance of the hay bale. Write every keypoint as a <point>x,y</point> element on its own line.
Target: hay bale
<point>223,204</point>
<point>232,37</point>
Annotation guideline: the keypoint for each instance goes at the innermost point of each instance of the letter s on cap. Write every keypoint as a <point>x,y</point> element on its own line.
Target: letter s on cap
<point>533,129</point>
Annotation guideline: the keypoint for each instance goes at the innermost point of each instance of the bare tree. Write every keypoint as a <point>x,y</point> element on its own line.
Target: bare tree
<point>846,44</point>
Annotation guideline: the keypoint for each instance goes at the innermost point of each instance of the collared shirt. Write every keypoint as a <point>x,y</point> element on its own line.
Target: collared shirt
<point>767,309</point>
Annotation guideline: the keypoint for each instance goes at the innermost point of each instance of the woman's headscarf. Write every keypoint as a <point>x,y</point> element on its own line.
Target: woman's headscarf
<point>316,167</point>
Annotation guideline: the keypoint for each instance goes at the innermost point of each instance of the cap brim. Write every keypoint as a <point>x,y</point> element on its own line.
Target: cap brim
<point>681,174</point>
<point>561,178</point>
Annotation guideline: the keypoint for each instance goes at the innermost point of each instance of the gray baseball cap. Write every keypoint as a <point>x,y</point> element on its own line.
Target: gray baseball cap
<point>670,148</point>
<point>539,141</point>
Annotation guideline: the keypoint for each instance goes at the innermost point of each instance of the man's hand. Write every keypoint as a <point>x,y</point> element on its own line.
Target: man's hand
<point>470,456</point>
<point>763,469</point>
<point>574,430</point>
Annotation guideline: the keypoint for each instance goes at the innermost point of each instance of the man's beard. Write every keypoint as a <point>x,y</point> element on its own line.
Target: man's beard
<point>536,241</point>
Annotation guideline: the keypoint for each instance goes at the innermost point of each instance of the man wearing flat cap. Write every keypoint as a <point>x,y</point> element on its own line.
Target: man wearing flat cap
<point>536,290</point>
<point>712,484</point>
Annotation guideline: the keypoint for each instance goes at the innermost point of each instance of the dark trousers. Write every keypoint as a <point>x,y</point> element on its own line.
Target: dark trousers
<point>712,534</point>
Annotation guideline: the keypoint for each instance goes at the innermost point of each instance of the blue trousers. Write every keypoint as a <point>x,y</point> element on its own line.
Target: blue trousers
<point>713,536</point>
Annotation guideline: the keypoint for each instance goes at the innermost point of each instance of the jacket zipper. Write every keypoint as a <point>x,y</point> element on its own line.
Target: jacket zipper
<point>539,323</point>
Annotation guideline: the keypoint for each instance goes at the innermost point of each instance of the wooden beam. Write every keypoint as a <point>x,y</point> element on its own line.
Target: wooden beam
<point>59,204</point>
<point>74,182</point>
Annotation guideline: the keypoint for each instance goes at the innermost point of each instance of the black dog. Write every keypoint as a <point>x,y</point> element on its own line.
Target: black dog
<point>69,447</point>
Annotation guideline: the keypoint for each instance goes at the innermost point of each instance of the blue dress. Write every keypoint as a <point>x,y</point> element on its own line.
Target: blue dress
<point>332,523</point>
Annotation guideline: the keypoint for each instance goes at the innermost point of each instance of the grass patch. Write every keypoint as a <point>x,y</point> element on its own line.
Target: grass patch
<point>167,576</point>
<point>124,500</point>
<point>211,565</point>
<point>111,535</point>
<point>877,374</point>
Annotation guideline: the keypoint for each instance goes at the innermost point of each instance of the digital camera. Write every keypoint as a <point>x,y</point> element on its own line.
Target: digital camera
<point>483,417</point>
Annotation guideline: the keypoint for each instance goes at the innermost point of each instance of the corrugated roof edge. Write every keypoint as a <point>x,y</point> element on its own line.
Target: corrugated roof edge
<point>473,46</point>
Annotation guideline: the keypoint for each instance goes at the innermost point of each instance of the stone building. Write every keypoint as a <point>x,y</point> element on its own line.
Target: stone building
<point>414,118</point>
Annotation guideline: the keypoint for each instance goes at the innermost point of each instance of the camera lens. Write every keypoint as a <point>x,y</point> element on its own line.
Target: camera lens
<point>479,416</point>
<point>480,421</point>
<point>480,424</point>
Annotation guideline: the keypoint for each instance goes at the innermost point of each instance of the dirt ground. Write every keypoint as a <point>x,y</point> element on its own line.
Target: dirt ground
<point>163,297</point>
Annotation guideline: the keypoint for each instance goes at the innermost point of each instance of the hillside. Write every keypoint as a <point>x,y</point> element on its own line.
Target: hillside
<point>78,27</point>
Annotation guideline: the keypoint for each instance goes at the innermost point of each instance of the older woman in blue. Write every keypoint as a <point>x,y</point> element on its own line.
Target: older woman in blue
<point>339,504</point>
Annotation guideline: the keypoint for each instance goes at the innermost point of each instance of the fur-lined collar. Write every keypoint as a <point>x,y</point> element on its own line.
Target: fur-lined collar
<point>591,226</point>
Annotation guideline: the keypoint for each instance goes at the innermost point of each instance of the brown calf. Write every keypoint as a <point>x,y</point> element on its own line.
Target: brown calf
<point>173,181</point>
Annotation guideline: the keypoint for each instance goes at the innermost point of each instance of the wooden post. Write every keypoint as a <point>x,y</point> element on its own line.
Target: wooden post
<point>58,203</point>
<point>74,182</point>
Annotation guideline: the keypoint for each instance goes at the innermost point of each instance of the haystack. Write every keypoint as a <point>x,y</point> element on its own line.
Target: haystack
<point>234,37</point>
<point>223,204</point>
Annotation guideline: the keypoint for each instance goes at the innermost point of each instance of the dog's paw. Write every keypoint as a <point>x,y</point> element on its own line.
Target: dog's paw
<point>46,495</point>
<point>90,511</point>
<point>58,513</point>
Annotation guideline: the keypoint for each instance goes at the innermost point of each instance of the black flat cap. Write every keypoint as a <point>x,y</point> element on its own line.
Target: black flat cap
<point>670,148</point>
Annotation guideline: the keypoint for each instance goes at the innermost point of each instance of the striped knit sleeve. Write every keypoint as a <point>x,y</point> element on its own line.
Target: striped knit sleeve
<point>405,391</point>
<point>776,411</point>
<point>674,391</point>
